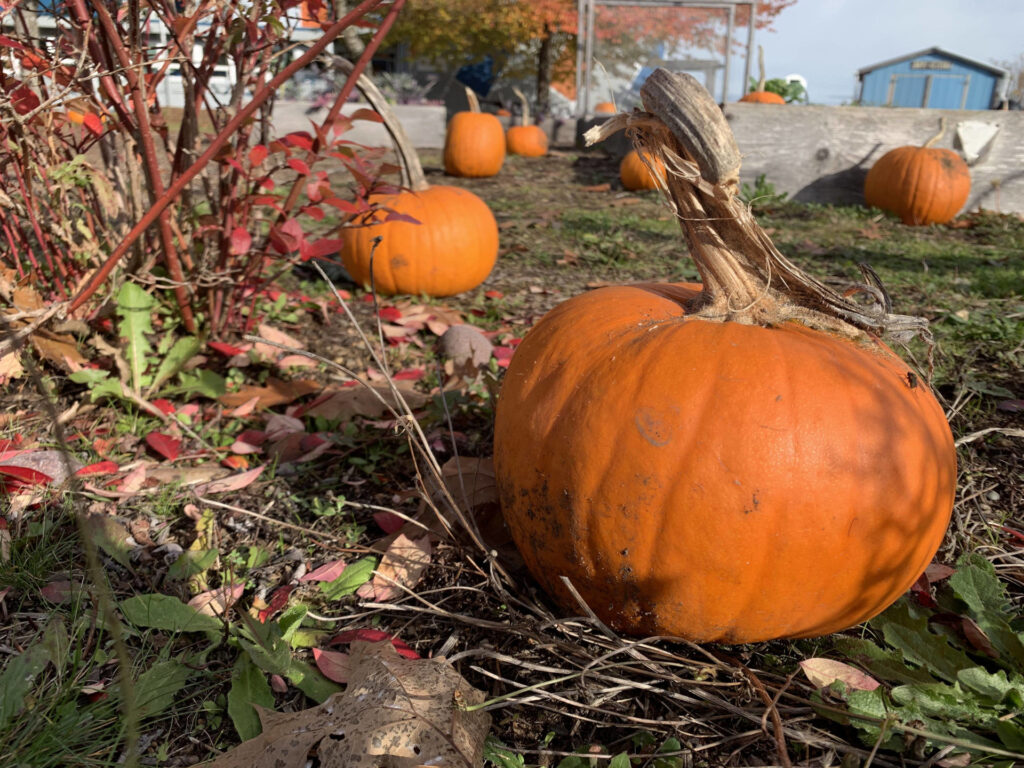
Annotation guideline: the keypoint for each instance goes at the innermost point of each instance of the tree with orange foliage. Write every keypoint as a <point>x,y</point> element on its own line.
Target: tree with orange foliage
<point>539,36</point>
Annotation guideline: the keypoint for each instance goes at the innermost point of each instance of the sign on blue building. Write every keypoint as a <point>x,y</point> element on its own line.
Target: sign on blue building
<point>932,78</point>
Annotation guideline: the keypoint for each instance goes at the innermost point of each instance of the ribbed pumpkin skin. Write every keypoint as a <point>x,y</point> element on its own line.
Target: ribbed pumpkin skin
<point>717,481</point>
<point>635,175</point>
<point>604,108</point>
<point>921,185</point>
<point>452,250</point>
<point>527,140</point>
<point>763,97</point>
<point>474,145</point>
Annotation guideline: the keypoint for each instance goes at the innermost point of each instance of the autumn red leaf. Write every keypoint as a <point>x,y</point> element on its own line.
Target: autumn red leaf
<point>319,248</point>
<point>410,374</point>
<point>494,294</point>
<point>163,405</point>
<point>298,166</point>
<point>13,477</point>
<point>241,241</point>
<point>24,100</point>
<point>258,154</point>
<point>334,665</point>
<point>228,350</point>
<point>235,461</point>
<point>93,123</point>
<point>373,636</point>
<point>299,139</point>
<point>389,314</point>
<point>106,467</point>
<point>388,522</point>
<point>326,572</point>
<point>278,600</point>
<point>165,445</point>
<point>366,114</point>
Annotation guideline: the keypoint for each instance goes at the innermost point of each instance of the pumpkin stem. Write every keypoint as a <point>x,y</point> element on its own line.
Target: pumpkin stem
<point>746,279</point>
<point>760,68</point>
<point>937,136</point>
<point>474,102</point>
<point>412,171</point>
<point>526,105</point>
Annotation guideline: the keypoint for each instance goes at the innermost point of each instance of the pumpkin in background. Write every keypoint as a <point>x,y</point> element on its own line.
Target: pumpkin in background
<point>921,185</point>
<point>636,175</point>
<point>453,247</point>
<point>502,112</point>
<point>759,95</point>
<point>605,108</point>
<point>735,461</point>
<point>526,139</point>
<point>474,144</point>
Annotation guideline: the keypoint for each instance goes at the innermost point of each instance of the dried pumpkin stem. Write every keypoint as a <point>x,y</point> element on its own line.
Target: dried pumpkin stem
<point>761,80</point>
<point>525,104</point>
<point>746,279</point>
<point>474,102</point>
<point>412,170</point>
<point>937,136</point>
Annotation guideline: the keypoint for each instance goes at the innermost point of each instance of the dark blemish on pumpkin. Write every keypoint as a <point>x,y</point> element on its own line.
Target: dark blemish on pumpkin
<point>624,553</point>
<point>651,428</point>
<point>778,398</point>
<point>399,261</point>
<point>757,501</point>
<point>911,379</point>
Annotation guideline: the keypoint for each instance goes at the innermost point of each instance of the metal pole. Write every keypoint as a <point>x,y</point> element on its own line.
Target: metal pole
<point>728,52</point>
<point>750,46</point>
<point>590,55</point>
<point>579,56</point>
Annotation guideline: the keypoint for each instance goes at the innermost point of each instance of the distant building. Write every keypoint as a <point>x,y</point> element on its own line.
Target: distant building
<point>932,78</point>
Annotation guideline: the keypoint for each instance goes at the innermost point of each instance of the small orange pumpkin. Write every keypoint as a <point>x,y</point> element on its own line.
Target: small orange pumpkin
<point>605,108</point>
<point>735,461</point>
<point>759,95</point>
<point>921,185</point>
<point>453,247</point>
<point>526,139</point>
<point>474,145</point>
<point>635,173</point>
<point>763,97</point>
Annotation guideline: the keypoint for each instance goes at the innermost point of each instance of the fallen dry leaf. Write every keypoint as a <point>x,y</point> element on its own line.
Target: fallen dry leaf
<point>215,602</point>
<point>823,672</point>
<point>231,483</point>
<point>401,566</point>
<point>370,400</point>
<point>276,392</point>
<point>395,713</point>
<point>471,481</point>
<point>467,347</point>
<point>269,352</point>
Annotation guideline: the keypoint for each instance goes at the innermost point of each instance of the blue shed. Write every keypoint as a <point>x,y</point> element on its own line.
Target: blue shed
<point>932,78</point>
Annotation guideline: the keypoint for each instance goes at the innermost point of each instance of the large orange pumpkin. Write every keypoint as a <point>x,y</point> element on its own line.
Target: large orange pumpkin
<point>526,139</point>
<point>453,247</point>
<point>474,144</point>
<point>921,185</point>
<point>734,461</point>
<point>636,175</point>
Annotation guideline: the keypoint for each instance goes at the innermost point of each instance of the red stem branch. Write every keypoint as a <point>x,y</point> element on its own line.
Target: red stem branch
<point>178,184</point>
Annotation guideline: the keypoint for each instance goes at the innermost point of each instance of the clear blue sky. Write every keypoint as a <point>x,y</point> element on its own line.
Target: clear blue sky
<point>827,41</point>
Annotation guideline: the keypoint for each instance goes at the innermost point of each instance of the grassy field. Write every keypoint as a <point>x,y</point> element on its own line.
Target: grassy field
<point>72,563</point>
